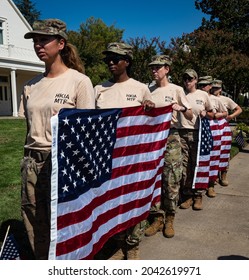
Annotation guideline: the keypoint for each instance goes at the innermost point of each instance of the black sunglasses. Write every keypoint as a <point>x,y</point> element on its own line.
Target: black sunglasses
<point>156,67</point>
<point>188,78</point>
<point>115,59</point>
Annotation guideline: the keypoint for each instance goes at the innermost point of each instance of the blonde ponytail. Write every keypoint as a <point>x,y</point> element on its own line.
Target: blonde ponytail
<point>71,58</point>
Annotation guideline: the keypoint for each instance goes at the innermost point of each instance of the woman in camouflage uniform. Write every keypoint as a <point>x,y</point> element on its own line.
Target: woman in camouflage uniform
<point>62,85</point>
<point>165,93</point>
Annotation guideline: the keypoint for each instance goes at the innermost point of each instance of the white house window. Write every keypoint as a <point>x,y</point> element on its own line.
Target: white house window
<point>1,33</point>
<point>3,88</point>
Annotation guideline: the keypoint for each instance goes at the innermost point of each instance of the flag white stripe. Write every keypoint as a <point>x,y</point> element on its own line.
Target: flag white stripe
<point>54,191</point>
<point>215,153</point>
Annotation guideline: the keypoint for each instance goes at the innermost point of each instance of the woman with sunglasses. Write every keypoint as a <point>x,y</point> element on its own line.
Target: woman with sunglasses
<point>62,85</point>
<point>122,91</point>
<point>189,133</point>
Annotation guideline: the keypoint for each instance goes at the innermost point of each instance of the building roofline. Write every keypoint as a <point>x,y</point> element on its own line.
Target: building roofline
<point>20,14</point>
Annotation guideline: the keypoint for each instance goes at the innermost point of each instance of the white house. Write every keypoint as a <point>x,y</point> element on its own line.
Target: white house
<point>18,61</point>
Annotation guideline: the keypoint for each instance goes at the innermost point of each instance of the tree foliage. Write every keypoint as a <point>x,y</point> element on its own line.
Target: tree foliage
<point>212,53</point>
<point>28,10</point>
<point>143,51</point>
<point>229,16</point>
<point>91,41</point>
<point>219,47</point>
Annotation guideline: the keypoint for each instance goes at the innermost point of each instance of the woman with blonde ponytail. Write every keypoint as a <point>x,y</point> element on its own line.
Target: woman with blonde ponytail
<point>62,85</point>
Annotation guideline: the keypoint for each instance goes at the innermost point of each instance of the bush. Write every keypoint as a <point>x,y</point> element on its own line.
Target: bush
<point>242,127</point>
<point>244,116</point>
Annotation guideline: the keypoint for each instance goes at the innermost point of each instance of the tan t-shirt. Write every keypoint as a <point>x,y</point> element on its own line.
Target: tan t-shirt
<point>228,102</point>
<point>218,106</point>
<point>43,97</point>
<point>130,93</point>
<point>170,94</point>
<point>199,101</point>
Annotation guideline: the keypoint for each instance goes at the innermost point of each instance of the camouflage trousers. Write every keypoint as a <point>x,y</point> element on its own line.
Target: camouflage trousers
<point>171,177</point>
<point>133,235</point>
<point>35,203</point>
<point>189,143</point>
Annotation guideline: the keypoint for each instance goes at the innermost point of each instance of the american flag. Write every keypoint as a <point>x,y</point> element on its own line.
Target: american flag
<point>10,250</point>
<point>216,151</point>
<point>205,146</point>
<point>240,139</point>
<point>106,174</point>
<point>226,143</point>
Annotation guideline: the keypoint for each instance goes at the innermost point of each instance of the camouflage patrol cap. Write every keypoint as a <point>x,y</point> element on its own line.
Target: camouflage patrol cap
<point>50,26</point>
<point>217,83</point>
<point>191,73</point>
<point>160,60</point>
<point>119,48</point>
<point>205,80</point>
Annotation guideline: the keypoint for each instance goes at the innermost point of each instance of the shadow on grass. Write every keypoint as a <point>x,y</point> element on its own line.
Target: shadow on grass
<point>18,230</point>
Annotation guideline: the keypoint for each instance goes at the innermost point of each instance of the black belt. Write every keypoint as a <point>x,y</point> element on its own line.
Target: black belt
<point>39,156</point>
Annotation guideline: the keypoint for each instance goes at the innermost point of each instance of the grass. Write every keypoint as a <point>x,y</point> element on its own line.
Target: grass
<point>12,135</point>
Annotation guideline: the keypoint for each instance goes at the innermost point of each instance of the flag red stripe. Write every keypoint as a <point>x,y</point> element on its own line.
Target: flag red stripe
<point>142,148</point>
<point>141,129</point>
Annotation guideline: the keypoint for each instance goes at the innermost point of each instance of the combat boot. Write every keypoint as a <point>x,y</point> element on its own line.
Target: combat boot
<point>187,203</point>
<point>197,202</point>
<point>169,229</point>
<point>132,252</point>
<point>210,191</point>
<point>223,178</point>
<point>156,226</point>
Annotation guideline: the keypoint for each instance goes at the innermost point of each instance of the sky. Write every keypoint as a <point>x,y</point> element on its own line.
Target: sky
<point>139,18</point>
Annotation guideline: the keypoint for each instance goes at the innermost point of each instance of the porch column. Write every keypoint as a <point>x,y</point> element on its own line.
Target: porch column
<point>13,91</point>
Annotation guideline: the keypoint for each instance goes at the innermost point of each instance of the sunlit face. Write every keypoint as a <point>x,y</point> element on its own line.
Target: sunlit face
<point>159,71</point>
<point>47,47</point>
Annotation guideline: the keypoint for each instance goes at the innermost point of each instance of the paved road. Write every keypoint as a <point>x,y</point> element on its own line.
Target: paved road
<point>219,231</point>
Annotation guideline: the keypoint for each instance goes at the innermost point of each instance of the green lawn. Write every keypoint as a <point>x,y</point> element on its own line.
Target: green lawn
<point>12,135</point>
